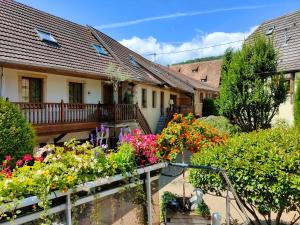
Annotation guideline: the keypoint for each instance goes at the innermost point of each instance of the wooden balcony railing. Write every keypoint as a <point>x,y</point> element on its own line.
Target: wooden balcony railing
<point>66,113</point>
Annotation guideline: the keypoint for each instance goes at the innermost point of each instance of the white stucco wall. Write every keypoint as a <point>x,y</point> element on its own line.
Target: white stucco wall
<point>55,87</point>
<point>286,109</point>
<point>152,114</point>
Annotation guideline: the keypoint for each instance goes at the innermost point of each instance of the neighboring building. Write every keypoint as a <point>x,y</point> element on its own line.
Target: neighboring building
<point>204,76</point>
<point>285,31</point>
<point>55,71</point>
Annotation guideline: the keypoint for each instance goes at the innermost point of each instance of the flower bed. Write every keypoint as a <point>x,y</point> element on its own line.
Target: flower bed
<point>63,169</point>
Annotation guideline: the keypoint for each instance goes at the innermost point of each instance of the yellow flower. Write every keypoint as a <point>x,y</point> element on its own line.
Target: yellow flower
<point>46,172</point>
<point>115,166</point>
<point>70,179</point>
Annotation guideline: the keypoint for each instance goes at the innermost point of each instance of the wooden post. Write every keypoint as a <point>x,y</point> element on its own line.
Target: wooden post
<point>98,111</point>
<point>62,115</point>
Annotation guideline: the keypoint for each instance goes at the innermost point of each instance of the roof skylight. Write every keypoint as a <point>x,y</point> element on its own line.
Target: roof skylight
<point>270,30</point>
<point>46,36</point>
<point>100,50</point>
<point>133,62</point>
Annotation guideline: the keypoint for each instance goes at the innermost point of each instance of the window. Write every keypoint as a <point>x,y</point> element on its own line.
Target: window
<point>32,90</point>
<point>154,99</point>
<point>100,50</point>
<point>133,62</point>
<point>195,70</point>
<point>201,97</point>
<point>45,36</point>
<point>270,30</point>
<point>75,93</point>
<point>144,98</point>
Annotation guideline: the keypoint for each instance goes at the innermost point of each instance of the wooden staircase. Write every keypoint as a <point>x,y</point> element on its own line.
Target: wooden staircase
<point>142,121</point>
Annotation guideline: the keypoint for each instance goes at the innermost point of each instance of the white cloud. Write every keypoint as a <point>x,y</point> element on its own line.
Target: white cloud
<point>181,52</point>
<point>179,14</point>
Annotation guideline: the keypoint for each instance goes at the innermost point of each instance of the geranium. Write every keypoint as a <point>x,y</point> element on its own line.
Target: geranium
<point>145,147</point>
<point>27,158</point>
<point>187,133</point>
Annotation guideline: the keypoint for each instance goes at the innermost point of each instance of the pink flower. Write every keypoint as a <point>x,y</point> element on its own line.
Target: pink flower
<point>27,158</point>
<point>19,163</point>
<point>8,158</point>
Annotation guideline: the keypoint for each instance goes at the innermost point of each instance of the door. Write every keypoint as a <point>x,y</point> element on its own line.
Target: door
<point>162,103</point>
<point>108,94</point>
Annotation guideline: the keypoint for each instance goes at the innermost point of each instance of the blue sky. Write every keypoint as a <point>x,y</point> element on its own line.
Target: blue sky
<point>165,26</point>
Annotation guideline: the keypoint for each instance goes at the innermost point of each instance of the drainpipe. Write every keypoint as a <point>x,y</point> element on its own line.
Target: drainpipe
<point>1,80</point>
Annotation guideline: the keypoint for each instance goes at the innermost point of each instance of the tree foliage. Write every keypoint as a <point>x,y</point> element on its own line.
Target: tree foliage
<point>251,89</point>
<point>16,135</point>
<point>297,105</point>
<point>209,107</point>
<point>263,167</point>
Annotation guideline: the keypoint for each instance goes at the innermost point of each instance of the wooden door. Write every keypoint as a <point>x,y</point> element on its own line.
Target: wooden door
<point>108,94</point>
<point>162,103</point>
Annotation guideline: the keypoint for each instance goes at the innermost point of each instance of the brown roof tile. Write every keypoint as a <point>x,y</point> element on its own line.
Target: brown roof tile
<point>200,70</point>
<point>286,26</point>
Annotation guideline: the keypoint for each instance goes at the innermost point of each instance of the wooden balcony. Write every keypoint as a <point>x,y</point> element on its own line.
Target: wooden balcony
<point>55,118</point>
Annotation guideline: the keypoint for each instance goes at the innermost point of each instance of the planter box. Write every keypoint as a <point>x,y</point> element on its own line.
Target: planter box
<point>189,218</point>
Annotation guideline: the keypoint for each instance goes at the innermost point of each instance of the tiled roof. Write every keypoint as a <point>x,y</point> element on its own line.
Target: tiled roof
<point>286,34</point>
<point>20,44</point>
<point>146,67</point>
<point>19,41</point>
<point>196,84</point>
<point>202,70</point>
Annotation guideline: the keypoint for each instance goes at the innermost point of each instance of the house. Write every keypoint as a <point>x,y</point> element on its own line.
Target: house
<point>56,72</point>
<point>205,77</point>
<point>284,31</point>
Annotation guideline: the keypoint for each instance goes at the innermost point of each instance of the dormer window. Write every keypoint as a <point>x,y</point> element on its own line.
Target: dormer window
<point>101,51</point>
<point>204,79</point>
<point>46,36</point>
<point>195,70</point>
<point>133,62</point>
<point>270,30</point>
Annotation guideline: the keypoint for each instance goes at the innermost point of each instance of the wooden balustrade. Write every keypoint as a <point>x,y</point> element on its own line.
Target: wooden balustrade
<point>55,113</point>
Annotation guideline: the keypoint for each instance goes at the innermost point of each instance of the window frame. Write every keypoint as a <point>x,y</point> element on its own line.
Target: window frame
<point>30,89</point>
<point>103,51</point>
<point>42,33</point>
<point>154,99</point>
<point>144,98</point>
<point>81,94</point>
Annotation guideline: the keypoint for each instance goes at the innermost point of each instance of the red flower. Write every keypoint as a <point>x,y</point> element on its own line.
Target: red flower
<point>27,158</point>
<point>8,158</point>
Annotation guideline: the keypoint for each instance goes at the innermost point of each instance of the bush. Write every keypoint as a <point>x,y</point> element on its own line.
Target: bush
<point>202,209</point>
<point>187,133</point>
<point>209,107</point>
<point>17,137</point>
<point>221,123</point>
<point>263,167</point>
<point>297,106</point>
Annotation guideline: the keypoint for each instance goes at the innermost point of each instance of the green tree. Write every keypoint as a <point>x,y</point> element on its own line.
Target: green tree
<point>251,89</point>
<point>297,105</point>
<point>263,167</point>
<point>17,137</point>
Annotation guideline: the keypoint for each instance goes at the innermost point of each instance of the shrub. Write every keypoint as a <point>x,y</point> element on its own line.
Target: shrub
<point>297,105</point>
<point>202,209</point>
<point>263,167</point>
<point>221,123</point>
<point>17,137</point>
<point>186,133</point>
<point>145,147</point>
<point>252,89</point>
<point>209,107</point>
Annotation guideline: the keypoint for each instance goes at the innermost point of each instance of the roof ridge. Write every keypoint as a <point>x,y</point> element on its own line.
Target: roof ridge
<point>279,17</point>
